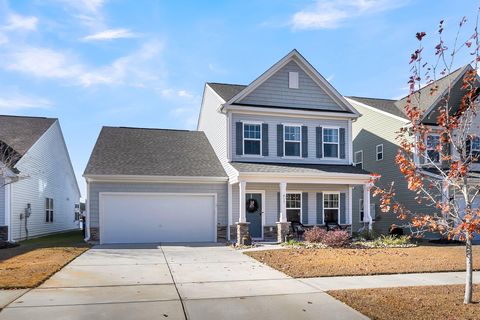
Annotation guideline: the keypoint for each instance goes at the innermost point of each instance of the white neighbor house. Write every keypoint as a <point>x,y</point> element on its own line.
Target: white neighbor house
<point>38,191</point>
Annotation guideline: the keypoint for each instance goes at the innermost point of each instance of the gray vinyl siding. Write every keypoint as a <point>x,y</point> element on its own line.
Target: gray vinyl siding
<point>49,174</point>
<point>219,188</point>
<point>370,130</point>
<point>276,92</point>
<point>214,124</point>
<point>2,202</point>
<point>271,201</point>
<point>272,122</point>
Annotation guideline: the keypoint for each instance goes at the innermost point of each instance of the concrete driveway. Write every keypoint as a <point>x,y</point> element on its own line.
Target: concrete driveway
<point>174,282</point>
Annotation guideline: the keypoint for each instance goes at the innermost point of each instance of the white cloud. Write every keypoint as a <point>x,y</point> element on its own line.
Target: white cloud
<point>110,35</point>
<point>330,14</point>
<point>18,101</point>
<point>17,22</point>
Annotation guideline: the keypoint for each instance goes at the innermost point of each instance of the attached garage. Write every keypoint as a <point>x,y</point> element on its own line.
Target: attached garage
<point>155,185</point>
<point>157,217</point>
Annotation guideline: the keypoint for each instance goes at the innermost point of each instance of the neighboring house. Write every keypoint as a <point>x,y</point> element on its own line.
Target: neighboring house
<point>155,185</point>
<point>38,190</point>
<point>375,145</point>
<point>285,141</point>
<point>274,152</point>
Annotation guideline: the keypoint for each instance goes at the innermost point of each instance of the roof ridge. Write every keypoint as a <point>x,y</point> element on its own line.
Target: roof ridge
<point>228,84</point>
<point>33,117</point>
<point>353,97</point>
<point>141,128</point>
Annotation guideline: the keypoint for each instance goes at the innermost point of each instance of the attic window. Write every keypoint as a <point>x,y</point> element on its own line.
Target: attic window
<point>293,80</point>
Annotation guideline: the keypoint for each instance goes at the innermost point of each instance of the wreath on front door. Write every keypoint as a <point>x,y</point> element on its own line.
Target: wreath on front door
<point>252,205</point>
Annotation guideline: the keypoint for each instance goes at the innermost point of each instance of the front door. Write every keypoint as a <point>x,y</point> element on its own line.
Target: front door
<point>254,214</point>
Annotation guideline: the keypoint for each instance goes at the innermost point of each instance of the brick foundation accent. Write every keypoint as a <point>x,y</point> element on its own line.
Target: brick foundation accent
<point>94,234</point>
<point>242,230</point>
<point>221,233</point>
<point>3,233</point>
<point>283,228</point>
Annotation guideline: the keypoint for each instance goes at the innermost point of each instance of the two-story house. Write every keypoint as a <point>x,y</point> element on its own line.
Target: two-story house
<point>276,151</point>
<point>38,189</point>
<point>375,145</point>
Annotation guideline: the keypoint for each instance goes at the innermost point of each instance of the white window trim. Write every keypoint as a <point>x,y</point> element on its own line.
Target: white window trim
<point>337,143</point>
<point>260,155</point>
<point>291,83</point>
<point>360,209</point>
<point>426,148</point>
<point>285,140</point>
<point>301,203</point>
<point>355,158</point>
<point>323,205</point>
<point>377,153</point>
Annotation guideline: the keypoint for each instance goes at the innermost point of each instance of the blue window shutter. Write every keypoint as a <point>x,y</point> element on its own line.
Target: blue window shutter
<point>304,142</point>
<point>342,143</point>
<point>343,206</point>
<point>278,206</point>
<point>280,140</point>
<point>319,142</point>
<point>265,139</point>
<point>319,208</point>
<point>239,138</point>
<point>304,207</point>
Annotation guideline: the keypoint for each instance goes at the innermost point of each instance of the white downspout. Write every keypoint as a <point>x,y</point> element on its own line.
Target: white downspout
<point>229,210</point>
<point>87,225</point>
<point>8,208</point>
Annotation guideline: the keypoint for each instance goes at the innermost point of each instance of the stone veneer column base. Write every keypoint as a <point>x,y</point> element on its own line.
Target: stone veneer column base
<point>3,234</point>
<point>221,233</point>
<point>94,234</point>
<point>283,228</point>
<point>242,230</point>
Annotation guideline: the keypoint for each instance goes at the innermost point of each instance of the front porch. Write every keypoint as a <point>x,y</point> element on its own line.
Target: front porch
<point>264,210</point>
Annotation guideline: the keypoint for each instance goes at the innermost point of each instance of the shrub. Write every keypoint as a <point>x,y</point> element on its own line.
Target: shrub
<point>337,238</point>
<point>294,243</point>
<point>366,234</point>
<point>314,235</point>
<point>391,241</point>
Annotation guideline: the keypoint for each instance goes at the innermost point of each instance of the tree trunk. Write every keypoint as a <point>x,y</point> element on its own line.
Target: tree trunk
<point>468,279</point>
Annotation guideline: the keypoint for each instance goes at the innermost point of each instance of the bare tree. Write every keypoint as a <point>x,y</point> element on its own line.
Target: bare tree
<point>440,161</point>
<point>8,159</point>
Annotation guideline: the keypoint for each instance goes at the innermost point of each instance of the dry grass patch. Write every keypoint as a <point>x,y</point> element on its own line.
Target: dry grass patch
<point>306,263</point>
<point>420,303</point>
<point>34,261</point>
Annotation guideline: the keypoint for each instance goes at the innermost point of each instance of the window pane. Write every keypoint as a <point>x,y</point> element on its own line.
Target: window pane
<point>292,149</point>
<point>293,215</point>
<point>331,215</point>
<point>251,131</point>
<point>476,144</point>
<point>433,155</point>
<point>330,200</point>
<point>252,147</point>
<point>432,141</point>
<point>292,133</point>
<point>330,135</point>
<point>330,150</point>
<point>294,200</point>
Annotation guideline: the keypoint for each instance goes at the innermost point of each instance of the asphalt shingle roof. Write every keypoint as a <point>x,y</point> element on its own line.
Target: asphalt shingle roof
<point>225,90</point>
<point>296,168</point>
<point>20,133</point>
<point>386,105</point>
<point>153,152</point>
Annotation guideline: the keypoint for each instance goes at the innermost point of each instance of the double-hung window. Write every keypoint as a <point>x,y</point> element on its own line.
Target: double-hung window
<point>360,208</point>
<point>433,141</point>
<point>330,142</point>
<point>358,161</point>
<point>294,207</point>
<point>293,138</point>
<point>379,150</point>
<point>252,139</point>
<point>331,207</point>
<point>48,210</point>
<point>475,149</point>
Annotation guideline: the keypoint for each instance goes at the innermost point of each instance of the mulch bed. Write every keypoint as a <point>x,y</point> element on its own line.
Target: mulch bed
<point>419,303</point>
<point>306,263</point>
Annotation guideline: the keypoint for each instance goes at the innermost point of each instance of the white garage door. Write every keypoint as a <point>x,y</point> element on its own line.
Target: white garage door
<point>158,217</point>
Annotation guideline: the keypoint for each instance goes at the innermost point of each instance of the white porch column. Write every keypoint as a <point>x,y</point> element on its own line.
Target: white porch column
<point>242,217</point>
<point>283,202</point>
<point>366,205</point>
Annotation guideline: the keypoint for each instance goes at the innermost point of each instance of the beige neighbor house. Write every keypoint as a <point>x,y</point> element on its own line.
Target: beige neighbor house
<point>274,152</point>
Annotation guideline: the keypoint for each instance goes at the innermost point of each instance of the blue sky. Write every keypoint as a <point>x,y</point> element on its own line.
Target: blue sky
<point>144,63</point>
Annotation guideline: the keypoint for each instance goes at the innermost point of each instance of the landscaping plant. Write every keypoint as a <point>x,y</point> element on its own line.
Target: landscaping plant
<point>334,238</point>
<point>440,173</point>
<point>314,235</point>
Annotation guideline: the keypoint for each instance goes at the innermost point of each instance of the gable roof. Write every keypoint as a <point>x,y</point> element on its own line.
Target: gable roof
<point>20,132</point>
<point>153,152</point>
<point>427,101</point>
<point>227,90</point>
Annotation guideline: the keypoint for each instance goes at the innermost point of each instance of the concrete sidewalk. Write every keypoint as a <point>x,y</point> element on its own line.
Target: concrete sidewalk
<point>389,281</point>
<point>174,281</point>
